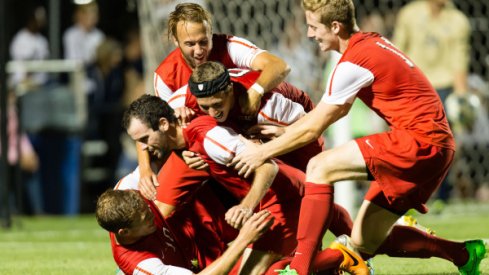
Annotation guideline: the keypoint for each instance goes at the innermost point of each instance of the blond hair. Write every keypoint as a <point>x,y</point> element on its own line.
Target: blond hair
<point>118,209</point>
<point>342,11</point>
<point>187,12</point>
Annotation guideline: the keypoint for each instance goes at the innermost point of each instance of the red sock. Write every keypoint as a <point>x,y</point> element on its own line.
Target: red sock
<point>326,260</point>
<point>341,223</point>
<point>410,242</point>
<point>315,217</point>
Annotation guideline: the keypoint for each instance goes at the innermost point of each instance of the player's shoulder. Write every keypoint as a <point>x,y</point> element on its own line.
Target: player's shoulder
<point>171,62</point>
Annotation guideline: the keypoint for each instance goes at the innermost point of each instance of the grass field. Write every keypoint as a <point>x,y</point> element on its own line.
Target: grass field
<point>57,245</point>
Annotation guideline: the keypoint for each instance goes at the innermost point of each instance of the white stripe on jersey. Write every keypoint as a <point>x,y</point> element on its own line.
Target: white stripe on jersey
<point>161,89</point>
<point>129,182</point>
<point>222,144</point>
<point>242,51</point>
<point>154,266</point>
<point>178,99</point>
<point>345,82</point>
<point>280,110</point>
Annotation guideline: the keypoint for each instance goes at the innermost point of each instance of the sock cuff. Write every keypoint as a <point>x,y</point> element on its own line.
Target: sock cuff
<point>317,189</point>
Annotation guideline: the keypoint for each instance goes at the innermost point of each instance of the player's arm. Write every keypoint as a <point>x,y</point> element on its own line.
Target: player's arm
<point>298,134</point>
<point>262,180</point>
<point>250,232</point>
<point>273,71</point>
<point>147,178</point>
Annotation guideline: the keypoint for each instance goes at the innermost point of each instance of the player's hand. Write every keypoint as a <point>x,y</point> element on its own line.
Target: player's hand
<point>250,102</point>
<point>255,226</point>
<point>249,159</point>
<point>237,215</point>
<point>147,184</point>
<point>184,115</point>
<point>194,161</point>
<point>262,131</point>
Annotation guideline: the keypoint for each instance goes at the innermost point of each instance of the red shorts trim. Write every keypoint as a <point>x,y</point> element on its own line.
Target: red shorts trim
<point>406,171</point>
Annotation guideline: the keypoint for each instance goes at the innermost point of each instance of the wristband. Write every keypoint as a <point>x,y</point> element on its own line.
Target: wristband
<point>258,88</point>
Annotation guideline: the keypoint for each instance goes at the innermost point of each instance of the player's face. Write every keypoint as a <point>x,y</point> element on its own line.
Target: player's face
<point>144,223</point>
<point>195,41</point>
<point>156,142</point>
<point>323,35</point>
<point>219,105</point>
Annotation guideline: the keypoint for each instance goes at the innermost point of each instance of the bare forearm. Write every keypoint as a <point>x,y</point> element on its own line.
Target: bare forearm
<point>144,161</point>
<point>273,70</point>
<point>228,259</point>
<point>263,179</point>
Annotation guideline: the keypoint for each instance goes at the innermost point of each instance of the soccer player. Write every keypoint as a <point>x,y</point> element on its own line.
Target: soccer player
<point>275,186</point>
<point>406,163</point>
<point>190,28</point>
<point>142,242</point>
<point>215,91</point>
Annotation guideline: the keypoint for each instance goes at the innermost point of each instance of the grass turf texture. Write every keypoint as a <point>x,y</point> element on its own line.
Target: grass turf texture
<point>59,245</point>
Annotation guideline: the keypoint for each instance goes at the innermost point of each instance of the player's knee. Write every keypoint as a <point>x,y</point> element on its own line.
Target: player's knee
<point>318,169</point>
<point>366,244</point>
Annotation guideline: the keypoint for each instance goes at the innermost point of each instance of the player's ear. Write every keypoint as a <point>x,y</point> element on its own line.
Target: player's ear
<point>164,125</point>
<point>336,27</point>
<point>122,231</point>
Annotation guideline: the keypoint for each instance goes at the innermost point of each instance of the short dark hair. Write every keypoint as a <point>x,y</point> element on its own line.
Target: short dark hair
<point>208,79</point>
<point>149,109</point>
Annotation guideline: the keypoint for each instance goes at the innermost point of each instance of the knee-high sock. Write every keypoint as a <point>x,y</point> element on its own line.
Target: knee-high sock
<point>341,223</point>
<point>410,242</point>
<point>315,217</point>
<point>326,260</point>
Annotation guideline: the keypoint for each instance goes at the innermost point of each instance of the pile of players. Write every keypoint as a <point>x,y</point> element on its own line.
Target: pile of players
<point>233,177</point>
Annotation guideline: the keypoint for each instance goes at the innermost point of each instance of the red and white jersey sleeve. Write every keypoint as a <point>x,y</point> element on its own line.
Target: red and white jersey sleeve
<point>345,82</point>
<point>129,182</point>
<point>280,110</point>
<point>222,144</point>
<point>154,266</point>
<point>178,99</point>
<point>242,51</point>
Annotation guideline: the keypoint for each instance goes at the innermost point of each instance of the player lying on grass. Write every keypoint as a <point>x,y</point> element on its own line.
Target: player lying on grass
<point>139,232</point>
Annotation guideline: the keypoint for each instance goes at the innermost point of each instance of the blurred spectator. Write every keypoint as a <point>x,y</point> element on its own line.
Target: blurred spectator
<point>21,155</point>
<point>435,35</point>
<point>29,44</point>
<point>81,40</point>
<point>134,87</point>
<point>105,103</point>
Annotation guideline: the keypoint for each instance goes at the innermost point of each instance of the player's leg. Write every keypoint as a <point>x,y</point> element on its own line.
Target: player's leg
<point>340,163</point>
<point>257,262</point>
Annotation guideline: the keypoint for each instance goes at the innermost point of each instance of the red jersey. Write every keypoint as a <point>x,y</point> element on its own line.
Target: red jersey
<point>173,72</point>
<point>162,244</point>
<point>282,106</point>
<point>389,83</point>
<point>217,145</point>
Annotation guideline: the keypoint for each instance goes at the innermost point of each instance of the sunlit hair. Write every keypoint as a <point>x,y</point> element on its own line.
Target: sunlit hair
<point>342,11</point>
<point>187,12</point>
<point>118,209</point>
<point>207,71</point>
<point>149,109</point>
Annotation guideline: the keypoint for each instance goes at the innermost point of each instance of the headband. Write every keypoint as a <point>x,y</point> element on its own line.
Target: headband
<point>211,87</point>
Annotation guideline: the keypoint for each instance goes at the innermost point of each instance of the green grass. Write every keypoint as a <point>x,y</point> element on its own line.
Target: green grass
<point>59,245</point>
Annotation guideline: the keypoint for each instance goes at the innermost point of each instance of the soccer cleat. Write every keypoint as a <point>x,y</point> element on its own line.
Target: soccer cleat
<point>477,251</point>
<point>370,266</point>
<point>408,220</point>
<point>286,271</point>
<point>352,262</point>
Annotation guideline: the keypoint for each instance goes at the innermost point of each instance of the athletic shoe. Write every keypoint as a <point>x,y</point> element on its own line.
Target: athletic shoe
<point>370,266</point>
<point>352,262</point>
<point>408,220</point>
<point>477,251</point>
<point>286,271</point>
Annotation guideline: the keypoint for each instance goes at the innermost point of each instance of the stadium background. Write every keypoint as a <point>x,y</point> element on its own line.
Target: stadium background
<point>276,25</point>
